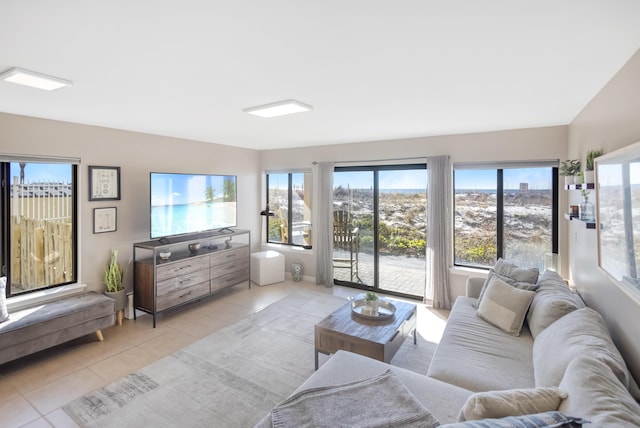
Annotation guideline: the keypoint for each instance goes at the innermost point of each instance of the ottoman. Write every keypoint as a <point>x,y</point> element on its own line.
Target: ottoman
<point>267,267</point>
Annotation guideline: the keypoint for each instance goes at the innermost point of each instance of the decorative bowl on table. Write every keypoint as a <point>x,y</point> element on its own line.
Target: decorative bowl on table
<point>380,310</point>
<point>193,248</point>
<point>164,255</point>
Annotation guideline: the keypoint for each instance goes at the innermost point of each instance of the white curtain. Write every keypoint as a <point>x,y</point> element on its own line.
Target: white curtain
<point>323,223</point>
<point>439,235</point>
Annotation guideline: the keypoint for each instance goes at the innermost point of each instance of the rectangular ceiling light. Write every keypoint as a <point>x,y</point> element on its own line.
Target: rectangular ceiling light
<point>278,109</point>
<point>33,79</point>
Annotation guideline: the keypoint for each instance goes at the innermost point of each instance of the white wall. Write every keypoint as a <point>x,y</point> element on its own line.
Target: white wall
<point>610,121</point>
<point>136,154</point>
<point>524,144</point>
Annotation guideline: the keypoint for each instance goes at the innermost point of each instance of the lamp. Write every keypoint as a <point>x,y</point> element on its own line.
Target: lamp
<point>266,213</point>
<point>34,79</point>
<point>279,108</point>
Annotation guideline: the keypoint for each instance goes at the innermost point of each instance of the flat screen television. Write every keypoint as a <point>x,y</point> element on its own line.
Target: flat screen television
<point>191,203</point>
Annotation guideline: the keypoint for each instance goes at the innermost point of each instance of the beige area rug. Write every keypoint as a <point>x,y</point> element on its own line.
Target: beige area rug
<point>230,378</point>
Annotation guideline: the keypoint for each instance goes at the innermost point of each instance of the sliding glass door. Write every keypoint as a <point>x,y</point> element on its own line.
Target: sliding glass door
<point>380,228</point>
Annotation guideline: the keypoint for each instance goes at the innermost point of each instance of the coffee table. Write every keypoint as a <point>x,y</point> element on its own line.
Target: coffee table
<point>378,339</point>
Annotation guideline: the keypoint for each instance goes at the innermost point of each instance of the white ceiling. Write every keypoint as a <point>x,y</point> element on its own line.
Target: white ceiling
<point>372,69</point>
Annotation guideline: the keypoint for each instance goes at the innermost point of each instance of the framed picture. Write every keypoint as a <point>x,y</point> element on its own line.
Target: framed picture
<point>105,220</point>
<point>104,183</point>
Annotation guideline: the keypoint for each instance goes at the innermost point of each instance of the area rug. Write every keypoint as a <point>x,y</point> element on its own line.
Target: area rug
<point>232,377</point>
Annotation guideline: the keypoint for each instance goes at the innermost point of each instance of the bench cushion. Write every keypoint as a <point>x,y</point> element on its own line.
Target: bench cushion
<point>33,329</point>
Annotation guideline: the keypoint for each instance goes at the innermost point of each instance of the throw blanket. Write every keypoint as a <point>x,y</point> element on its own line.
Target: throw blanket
<point>380,401</point>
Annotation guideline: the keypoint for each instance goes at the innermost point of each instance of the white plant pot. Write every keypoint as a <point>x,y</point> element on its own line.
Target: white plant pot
<point>589,177</point>
<point>577,179</point>
<point>569,179</point>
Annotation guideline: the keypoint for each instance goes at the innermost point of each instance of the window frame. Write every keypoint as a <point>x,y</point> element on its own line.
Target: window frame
<point>5,226</point>
<point>290,174</point>
<point>500,231</point>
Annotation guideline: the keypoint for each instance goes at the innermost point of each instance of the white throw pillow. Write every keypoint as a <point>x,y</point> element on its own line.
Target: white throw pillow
<point>525,279</point>
<point>505,306</point>
<point>4,315</point>
<point>512,402</point>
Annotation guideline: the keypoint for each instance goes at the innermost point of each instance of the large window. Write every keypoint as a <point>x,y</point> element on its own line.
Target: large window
<point>289,198</point>
<point>508,211</point>
<point>38,233</point>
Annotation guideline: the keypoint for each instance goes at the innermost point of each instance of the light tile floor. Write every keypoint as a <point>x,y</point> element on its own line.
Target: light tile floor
<point>33,389</point>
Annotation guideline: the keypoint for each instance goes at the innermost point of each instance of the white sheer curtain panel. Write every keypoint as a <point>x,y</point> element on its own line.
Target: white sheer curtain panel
<point>439,231</point>
<point>323,223</point>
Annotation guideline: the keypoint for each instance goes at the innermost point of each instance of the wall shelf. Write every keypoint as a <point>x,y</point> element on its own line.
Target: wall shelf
<point>589,224</point>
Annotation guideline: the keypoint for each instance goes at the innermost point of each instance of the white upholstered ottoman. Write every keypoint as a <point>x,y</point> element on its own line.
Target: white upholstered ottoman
<point>267,267</point>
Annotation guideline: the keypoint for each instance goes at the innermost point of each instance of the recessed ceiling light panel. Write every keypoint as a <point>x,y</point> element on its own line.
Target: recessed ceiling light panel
<point>33,79</point>
<point>280,108</point>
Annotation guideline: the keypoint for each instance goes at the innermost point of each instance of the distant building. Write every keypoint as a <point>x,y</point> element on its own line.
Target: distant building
<point>524,187</point>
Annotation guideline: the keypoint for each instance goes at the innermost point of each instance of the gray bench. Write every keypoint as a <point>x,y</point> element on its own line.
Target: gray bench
<point>33,329</point>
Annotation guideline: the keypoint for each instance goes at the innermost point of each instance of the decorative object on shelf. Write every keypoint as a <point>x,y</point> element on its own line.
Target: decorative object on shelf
<point>114,280</point>
<point>194,247</point>
<point>104,183</point>
<point>579,178</point>
<point>574,210</point>
<point>586,208</point>
<point>105,220</point>
<point>569,168</point>
<point>164,255</point>
<point>296,271</point>
<point>589,175</point>
<point>372,301</point>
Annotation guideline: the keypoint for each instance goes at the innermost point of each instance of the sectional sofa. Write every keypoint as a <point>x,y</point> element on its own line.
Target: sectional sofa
<point>517,346</point>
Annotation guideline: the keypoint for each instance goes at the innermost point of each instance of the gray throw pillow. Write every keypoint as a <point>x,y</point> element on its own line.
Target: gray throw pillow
<point>505,306</point>
<point>553,300</point>
<point>581,332</point>
<point>512,282</point>
<point>594,393</point>
<point>516,273</point>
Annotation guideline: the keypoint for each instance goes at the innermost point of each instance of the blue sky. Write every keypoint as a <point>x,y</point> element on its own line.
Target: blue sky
<point>538,178</point>
<point>37,172</point>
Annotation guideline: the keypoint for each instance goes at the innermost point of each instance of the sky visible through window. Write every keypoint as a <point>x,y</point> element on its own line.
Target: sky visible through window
<point>42,172</point>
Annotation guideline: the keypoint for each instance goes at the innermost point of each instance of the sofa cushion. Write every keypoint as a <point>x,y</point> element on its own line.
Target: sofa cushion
<point>511,402</point>
<point>581,332</point>
<point>505,306</point>
<point>595,393</point>
<point>552,301</point>
<point>4,315</point>
<point>552,419</point>
<point>525,279</point>
<point>475,355</point>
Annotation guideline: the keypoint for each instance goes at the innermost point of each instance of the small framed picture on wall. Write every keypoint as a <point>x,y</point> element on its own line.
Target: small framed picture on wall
<point>104,183</point>
<point>105,220</point>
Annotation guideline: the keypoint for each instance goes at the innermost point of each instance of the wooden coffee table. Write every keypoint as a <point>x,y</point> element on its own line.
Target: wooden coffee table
<point>378,339</point>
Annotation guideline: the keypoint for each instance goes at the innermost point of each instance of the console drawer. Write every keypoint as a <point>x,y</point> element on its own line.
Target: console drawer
<point>180,268</point>
<point>181,295</point>
<point>221,282</point>
<point>172,285</point>
<point>227,256</point>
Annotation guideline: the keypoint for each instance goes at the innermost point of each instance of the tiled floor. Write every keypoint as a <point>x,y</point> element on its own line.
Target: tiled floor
<point>33,389</point>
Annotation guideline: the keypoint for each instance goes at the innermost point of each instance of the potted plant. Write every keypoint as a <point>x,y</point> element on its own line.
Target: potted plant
<point>372,301</point>
<point>569,168</point>
<point>114,281</point>
<point>591,157</point>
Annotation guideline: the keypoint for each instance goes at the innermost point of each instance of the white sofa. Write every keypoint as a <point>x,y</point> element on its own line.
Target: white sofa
<point>562,344</point>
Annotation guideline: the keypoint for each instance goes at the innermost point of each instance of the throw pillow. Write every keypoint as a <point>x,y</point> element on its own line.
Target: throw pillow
<point>4,315</point>
<point>552,301</point>
<point>596,394</point>
<point>512,271</point>
<point>581,332</point>
<point>512,402</point>
<point>512,282</point>
<point>505,306</point>
<point>539,420</point>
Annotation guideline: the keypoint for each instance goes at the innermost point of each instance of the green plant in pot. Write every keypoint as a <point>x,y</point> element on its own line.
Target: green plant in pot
<point>372,301</point>
<point>589,176</point>
<point>570,168</point>
<point>114,281</point>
